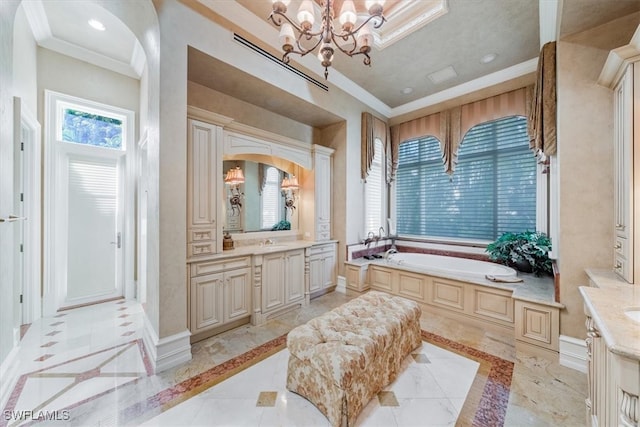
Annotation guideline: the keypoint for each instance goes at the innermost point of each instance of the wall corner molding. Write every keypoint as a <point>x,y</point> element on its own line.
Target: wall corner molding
<point>167,352</point>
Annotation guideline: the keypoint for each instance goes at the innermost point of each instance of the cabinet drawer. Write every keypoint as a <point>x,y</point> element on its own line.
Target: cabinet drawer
<point>200,235</point>
<point>322,249</point>
<point>324,235</point>
<point>208,267</point>
<point>621,247</point>
<point>202,248</point>
<point>621,267</point>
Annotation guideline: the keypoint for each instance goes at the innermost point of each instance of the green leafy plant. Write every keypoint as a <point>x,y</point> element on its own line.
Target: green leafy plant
<point>282,225</point>
<point>527,251</point>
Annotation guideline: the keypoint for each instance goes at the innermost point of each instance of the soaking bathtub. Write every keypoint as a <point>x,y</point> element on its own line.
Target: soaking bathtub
<point>446,265</point>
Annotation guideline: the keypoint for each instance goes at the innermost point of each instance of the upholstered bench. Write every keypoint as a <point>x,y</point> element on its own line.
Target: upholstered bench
<point>343,358</point>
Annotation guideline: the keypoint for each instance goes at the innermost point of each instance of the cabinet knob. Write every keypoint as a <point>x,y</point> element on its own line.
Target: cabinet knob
<point>618,246</point>
<point>619,226</point>
<point>618,266</point>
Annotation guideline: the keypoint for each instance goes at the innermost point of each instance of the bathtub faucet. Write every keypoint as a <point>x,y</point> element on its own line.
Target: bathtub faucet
<point>369,239</point>
<point>390,252</point>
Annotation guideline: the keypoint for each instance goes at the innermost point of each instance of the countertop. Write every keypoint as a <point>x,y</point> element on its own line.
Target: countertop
<point>258,250</point>
<point>539,290</point>
<point>606,301</point>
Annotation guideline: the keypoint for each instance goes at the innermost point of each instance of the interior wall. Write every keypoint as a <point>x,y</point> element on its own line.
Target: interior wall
<point>585,157</point>
<point>243,112</point>
<point>25,63</point>
<point>70,76</point>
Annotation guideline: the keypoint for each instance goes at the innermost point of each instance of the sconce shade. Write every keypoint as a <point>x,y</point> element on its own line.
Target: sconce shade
<point>234,176</point>
<point>290,183</point>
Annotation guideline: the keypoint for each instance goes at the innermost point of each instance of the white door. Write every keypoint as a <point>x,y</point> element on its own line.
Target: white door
<point>89,202</point>
<point>94,230</point>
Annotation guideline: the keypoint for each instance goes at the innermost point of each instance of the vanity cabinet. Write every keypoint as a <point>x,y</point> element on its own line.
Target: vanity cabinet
<point>322,168</point>
<point>621,73</point>
<point>203,154</point>
<point>219,296</point>
<point>322,268</point>
<point>613,383</point>
<point>624,172</point>
<point>281,279</point>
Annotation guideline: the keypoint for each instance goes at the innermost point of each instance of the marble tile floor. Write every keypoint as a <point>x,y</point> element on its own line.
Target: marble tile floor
<point>542,393</point>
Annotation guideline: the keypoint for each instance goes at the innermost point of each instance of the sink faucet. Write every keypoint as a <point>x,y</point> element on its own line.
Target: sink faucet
<point>369,239</point>
<point>380,232</point>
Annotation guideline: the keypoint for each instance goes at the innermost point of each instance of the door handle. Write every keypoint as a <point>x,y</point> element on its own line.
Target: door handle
<point>118,241</point>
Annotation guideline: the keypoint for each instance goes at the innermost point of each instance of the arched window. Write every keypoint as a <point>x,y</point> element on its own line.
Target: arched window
<point>271,200</point>
<point>493,189</point>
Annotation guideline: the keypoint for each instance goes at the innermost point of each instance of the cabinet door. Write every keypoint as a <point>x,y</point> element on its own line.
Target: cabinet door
<point>329,270</point>
<point>315,274</point>
<point>237,294</point>
<point>323,187</point>
<point>273,275</point>
<point>206,302</point>
<point>294,285</point>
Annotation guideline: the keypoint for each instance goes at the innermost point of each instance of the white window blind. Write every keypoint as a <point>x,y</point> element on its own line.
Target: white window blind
<point>374,192</point>
<point>493,189</point>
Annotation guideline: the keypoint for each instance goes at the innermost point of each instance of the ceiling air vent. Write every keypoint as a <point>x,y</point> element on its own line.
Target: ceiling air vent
<point>275,59</point>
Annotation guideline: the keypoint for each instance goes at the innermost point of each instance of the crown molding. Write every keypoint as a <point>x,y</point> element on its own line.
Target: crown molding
<point>407,17</point>
<point>37,18</point>
<point>618,59</point>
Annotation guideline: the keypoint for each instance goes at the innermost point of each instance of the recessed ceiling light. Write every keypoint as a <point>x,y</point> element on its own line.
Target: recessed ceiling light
<point>407,90</point>
<point>489,57</point>
<point>97,25</point>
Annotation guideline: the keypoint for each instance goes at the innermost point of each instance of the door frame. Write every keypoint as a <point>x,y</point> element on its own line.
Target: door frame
<point>54,277</point>
<point>32,278</point>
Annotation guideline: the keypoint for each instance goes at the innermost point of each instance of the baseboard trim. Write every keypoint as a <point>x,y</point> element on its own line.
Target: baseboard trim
<point>8,375</point>
<point>166,352</point>
<point>573,353</point>
<point>342,285</point>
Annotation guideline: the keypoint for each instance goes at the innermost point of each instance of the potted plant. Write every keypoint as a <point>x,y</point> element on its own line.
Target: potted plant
<point>527,251</point>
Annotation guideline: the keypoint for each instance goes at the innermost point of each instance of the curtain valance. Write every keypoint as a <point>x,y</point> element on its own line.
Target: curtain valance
<point>450,126</point>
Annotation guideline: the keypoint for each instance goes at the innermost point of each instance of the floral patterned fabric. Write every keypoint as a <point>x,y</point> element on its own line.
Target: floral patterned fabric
<point>342,359</point>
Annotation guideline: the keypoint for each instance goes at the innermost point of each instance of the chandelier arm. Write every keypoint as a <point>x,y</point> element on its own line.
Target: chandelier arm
<point>345,35</point>
<point>351,52</point>
<point>303,51</point>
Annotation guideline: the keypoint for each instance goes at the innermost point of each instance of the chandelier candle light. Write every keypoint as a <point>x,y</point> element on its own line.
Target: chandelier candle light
<point>357,40</point>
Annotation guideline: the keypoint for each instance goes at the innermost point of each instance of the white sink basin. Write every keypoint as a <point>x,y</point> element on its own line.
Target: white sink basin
<point>633,313</point>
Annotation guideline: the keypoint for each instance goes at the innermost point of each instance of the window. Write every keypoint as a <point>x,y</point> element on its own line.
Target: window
<point>271,198</point>
<point>375,192</point>
<point>493,189</point>
<point>83,127</point>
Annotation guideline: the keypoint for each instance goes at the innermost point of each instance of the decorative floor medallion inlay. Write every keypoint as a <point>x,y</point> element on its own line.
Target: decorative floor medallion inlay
<point>126,324</point>
<point>50,334</point>
<point>49,344</point>
<point>126,334</point>
<point>123,315</point>
<point>60,315</point>
<point>56,323</point>
<point>387,398</point>
<point>43,357</point>
<point>267,398</point>
<point>122,308</point>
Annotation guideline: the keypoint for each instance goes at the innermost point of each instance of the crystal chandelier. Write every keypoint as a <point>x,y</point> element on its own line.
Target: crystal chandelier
<point>356,39</point>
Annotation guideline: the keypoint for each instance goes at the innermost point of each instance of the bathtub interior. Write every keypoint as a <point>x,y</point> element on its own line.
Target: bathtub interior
<point>452,265</point>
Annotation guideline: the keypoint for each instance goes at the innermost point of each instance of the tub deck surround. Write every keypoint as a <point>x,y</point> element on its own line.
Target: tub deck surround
<point>528,308</point>
<point>539,290</point>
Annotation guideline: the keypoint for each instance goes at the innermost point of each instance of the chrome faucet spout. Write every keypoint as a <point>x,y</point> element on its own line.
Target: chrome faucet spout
<point>390,252</point>
<point>380,232</point>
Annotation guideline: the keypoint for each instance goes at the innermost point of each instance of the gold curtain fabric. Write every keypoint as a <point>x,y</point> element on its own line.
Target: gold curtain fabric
<point>372,128</point>
<point>542,114</point>
<point>450,126</point>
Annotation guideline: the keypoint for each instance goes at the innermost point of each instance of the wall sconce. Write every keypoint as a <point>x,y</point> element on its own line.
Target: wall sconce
<point>234,178</point>
<point>290,188</point>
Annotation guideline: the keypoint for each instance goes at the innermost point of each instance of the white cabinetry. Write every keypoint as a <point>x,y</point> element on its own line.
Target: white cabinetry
<point>219,296</point>
<point>624,171</point>
<point>621,73</point>
<point>203,154</point>
<point>322,268</point>
<point>316,196</point>
<point>280,283</point>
